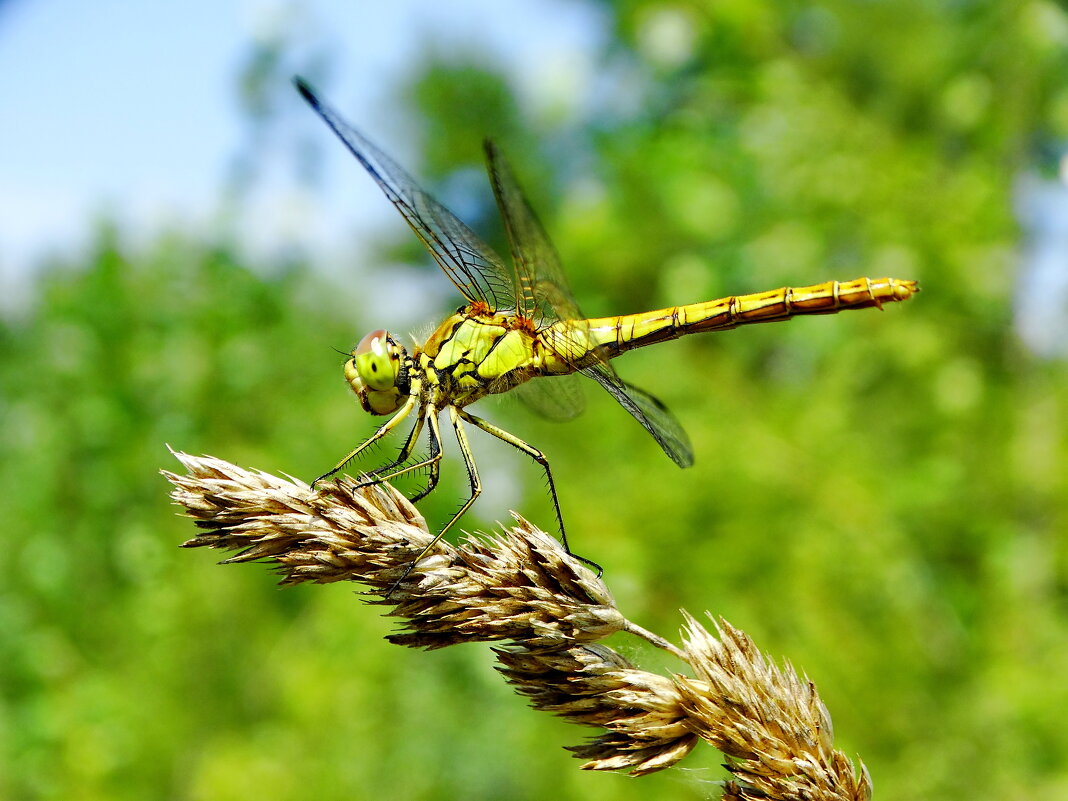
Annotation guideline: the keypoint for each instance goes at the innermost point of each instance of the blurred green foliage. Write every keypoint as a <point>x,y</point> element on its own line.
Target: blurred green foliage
<point>879,498</point>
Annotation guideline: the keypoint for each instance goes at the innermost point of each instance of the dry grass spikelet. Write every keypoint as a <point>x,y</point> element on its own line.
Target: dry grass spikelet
<point>547,610</point>
<point>769,720</point>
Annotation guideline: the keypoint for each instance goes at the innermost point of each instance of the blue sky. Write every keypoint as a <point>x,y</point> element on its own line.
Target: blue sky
<point>129,108</point>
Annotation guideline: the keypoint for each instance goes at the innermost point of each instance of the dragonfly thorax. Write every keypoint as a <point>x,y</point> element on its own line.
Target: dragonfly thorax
<point>377,373</point>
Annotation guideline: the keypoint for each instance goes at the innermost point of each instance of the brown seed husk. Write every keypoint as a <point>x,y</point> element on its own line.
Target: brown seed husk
<point>521,589</point>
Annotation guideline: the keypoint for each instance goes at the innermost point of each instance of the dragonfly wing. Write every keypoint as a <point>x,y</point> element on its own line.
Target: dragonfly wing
<point>543,291</point>
<point>556,398</point>
<point>648,411</point>
<point>545,296</point>
<point>471,264</point>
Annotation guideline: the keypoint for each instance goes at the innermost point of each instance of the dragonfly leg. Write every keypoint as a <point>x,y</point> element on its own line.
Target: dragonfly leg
<point>382,431</point>
<point>405,454</point>
<point>435,467</point>
<point>405,451</point>
<point>434,461</point>
<point>455,416</point>
<point>540,458</point>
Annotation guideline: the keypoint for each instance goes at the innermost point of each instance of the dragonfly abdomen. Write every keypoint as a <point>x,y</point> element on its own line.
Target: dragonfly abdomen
<point>615,335</point>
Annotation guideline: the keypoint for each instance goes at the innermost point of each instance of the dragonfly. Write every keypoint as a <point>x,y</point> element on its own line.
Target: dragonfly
<point>521,330</point>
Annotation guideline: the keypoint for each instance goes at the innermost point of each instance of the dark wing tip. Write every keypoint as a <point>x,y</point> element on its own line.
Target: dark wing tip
<point>492,153</point>
<point>305,91</point>
<point>683,458</point>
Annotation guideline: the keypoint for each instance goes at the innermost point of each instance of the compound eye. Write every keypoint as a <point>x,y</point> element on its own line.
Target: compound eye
<point>377,360</point>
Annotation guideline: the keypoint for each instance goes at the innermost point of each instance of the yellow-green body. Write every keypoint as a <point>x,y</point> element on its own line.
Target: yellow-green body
<point>473,354</point>
<point>477,352</point>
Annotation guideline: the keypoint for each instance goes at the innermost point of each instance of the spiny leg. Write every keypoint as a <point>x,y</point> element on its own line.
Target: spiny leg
<point>538,457</point>
<point>430,414</point>
<point>382,431</point>
<point>530,451</point>
<point>405,451</point>
<point>406,454</point>
<point>432,476</point>
<point>455,415</point>
<point>434,462</point>
<point>435,459</point>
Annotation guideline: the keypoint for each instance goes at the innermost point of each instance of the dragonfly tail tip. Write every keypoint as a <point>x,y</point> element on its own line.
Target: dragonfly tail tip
<point>905,290</point>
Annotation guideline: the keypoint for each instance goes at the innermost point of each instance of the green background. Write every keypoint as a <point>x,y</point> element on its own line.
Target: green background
<point>878,498</point>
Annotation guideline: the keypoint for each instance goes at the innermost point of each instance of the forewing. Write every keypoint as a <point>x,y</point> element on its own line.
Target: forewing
<point>648,411</point>
<point>472,265</point>
<point>544,294</point>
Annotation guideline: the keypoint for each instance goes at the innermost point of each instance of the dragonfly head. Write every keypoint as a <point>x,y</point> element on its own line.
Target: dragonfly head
<point>374,372</point>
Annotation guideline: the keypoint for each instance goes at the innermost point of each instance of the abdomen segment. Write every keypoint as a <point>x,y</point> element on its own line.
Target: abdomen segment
<point>611,336</point>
